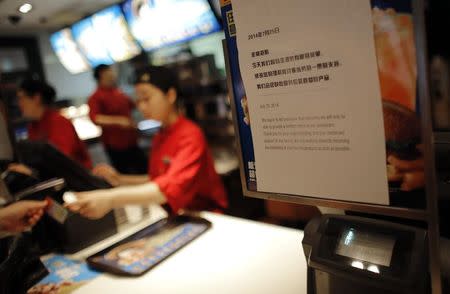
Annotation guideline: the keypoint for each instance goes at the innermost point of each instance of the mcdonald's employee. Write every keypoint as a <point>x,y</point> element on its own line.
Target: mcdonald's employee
<point>111,109</point>
<point>34,100</point>
<point>181,171</point>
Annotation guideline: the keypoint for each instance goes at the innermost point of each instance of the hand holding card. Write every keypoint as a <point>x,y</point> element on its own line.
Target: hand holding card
<point>21,215</point>
<point>92,205</point>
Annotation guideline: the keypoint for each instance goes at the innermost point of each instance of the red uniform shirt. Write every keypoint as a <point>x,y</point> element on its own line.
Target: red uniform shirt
<point>113,102</point>
<point>59,131</point>
<point>182,166</point>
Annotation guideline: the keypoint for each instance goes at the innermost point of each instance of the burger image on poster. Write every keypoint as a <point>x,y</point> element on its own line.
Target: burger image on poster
<point>397,69</point>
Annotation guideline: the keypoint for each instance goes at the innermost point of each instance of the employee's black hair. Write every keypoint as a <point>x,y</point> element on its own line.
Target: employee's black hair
<point>38,87</point>
<point>99,69</point>
<point>159,76</point>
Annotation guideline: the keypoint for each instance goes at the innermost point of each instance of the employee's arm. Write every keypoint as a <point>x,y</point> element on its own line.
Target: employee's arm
<point>96,204</point>
<point>115,178</point>
<point>126,180</point>
<point>113,120</point>
<point>176,187</point>
<point>96,113</point>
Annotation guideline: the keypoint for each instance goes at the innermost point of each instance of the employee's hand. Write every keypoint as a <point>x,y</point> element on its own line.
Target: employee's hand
<point>19,216</point>
<point>20,168</point>
<point>126,122</point>
<point>93,205</point>
<point>110,174</point>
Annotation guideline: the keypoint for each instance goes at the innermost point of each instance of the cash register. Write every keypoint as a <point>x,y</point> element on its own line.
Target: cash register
<point>348,254</point>
<point>76,232</point>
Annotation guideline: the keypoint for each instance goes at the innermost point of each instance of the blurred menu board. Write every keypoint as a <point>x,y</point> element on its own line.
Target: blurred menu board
<point>158,23</point>
<point>67,51</point>
<point>111,28</point>
<point>90,43</point>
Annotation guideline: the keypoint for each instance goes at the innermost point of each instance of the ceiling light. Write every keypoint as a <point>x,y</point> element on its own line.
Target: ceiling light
<point>25,8</point>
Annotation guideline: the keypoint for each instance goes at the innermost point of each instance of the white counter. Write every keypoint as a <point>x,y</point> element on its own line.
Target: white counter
<point>234,256</point>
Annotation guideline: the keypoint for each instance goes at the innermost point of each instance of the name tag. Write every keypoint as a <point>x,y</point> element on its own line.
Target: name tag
<point>166,160</point>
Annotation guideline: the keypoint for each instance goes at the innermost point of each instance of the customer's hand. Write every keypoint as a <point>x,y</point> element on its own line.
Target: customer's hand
<point>93,205</point>
<point>20,168</point>
<point>22,215</point>
<point>107,172</point>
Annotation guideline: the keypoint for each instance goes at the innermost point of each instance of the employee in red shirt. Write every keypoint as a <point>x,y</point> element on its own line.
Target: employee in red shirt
<point>181,172</point>
<point>111,109</point>
<point>34,100</point>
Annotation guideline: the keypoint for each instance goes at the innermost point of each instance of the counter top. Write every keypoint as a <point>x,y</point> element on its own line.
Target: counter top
<point>234,256</point>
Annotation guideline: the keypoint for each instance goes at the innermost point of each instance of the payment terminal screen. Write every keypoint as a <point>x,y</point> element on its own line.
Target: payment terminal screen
<point>364,246</point>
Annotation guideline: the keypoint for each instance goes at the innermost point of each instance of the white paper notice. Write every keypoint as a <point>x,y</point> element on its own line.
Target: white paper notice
<point>310,73</point>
